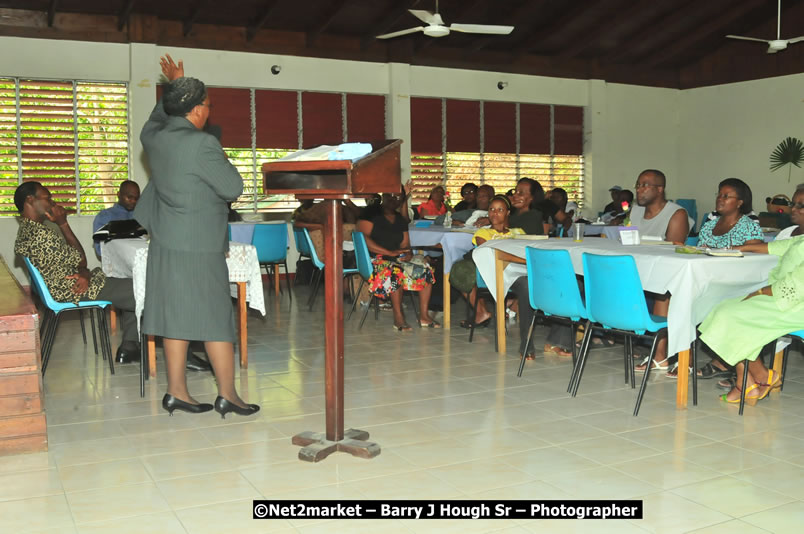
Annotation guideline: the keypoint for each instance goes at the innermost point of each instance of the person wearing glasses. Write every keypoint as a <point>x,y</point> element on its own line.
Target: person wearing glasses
<point>731,225</point>
<point>654,215</point>
<point>185,207</point>
<point>796,215</point>
<point>468,196</point>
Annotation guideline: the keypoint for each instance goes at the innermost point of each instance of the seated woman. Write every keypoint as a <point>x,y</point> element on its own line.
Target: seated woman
<point>468,197</point>
<point>435,203</point>
<point>463,275</point>
<point>570,211</point>
<point>796,215</point>
<point>387,237</point>
<point>732,226</point>
<point>528,196</point>
<point>737,329</point>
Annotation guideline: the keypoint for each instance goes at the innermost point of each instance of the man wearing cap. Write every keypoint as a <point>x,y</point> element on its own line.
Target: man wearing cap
<point>614,205</point>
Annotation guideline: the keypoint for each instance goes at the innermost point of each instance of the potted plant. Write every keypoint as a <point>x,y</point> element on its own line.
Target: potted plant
<point>789,152</point>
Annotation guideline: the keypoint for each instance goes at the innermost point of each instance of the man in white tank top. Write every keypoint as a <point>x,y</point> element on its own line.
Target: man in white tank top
<point>654,215</point>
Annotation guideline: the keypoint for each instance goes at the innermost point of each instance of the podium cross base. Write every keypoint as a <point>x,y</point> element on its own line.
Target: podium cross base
<point>316,446</point>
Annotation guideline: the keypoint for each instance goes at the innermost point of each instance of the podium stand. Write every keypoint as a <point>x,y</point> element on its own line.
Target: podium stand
<point>377,172</point>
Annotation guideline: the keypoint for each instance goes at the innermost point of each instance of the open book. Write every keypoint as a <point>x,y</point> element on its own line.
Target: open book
<point>727,252</point>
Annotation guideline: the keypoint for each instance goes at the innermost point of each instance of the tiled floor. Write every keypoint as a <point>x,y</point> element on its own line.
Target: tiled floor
<point>453,421</point>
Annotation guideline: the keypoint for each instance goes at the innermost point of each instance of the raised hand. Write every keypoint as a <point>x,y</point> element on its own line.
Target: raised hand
<point>170,69</point>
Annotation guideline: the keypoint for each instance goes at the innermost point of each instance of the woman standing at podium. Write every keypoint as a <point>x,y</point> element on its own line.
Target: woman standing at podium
<point>184,207</point>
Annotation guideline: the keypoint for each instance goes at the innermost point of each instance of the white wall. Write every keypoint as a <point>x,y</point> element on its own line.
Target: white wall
<point>628,128</point>
<point>731,130</point>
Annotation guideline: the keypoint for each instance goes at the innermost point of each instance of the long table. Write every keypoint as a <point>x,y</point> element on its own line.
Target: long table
<point>696,283</point>
<point>454,242</point>
<point>128,258</point>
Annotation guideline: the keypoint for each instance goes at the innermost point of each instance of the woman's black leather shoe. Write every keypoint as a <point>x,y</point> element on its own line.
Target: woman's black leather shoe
<point>170,403</point>
<point>223,406</point>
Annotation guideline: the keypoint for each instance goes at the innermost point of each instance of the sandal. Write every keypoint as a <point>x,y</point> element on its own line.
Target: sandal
<point>710,371</point>
<point>431,324</point>
<point>751,401</point>
<point>673,372</point>
<point>529,356</point>
<point>773,384</point>
<point>559,351</point>
<point>654,365</point>
<point>468,324</point>
<point>403,328</point>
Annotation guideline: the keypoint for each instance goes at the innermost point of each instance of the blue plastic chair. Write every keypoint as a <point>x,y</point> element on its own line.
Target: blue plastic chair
<point>302,248</point>
<point>691,206</point>
<point>553,290</point>
<point>54,309</point>
<point>319,266</point>
<point>365,268</point>
<point>271,241</point>
<point>616,301</point>
<point>691,241</point>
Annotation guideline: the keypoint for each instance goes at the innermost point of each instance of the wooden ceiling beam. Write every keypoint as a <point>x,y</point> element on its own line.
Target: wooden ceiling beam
<point>589,38</point>
<point>388,21</point>
<point>583,11</point>
<point>259,22</point>
<point>673,21</point>
<point>51,12</point>
<point>523,19</point>
<point>330,15</point>
<point>122,19</point>
<point>703,31</point>
<point>187,24</point>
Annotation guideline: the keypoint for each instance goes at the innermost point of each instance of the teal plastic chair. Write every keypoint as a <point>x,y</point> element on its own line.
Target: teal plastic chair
<point>302,248</point>
<point>691,241</point>
<point>271,241</point>
<point>482,292</point>
<point>616,301</point>
<point>553,290</point>
<point>319,267</point>
<point>691,206</point>
<point>53,311</point>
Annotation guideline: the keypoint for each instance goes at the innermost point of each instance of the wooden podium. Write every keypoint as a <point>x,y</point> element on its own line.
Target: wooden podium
<point>333,181</point>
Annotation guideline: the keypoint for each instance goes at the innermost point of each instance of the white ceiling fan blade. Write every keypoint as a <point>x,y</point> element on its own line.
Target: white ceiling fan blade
<point>747,38</point>
<point>795,39</point>
<point>426,17</point>
<point>481,28</point>
<point>771,50</point>
<point>401,32</point>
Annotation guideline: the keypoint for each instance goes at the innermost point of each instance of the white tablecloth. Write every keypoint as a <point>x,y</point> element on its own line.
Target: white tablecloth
<point>696,282</point>
<point>128,258</point>
<point>454,242</point>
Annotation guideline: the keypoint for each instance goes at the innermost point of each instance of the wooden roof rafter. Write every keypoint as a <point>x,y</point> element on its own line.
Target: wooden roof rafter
<point>51,12</point>
<point>125,12</point>
<point>583,12</point>
<point>330,14</point>
<point>262,18</point>
<point>187,24</point>
<point>388,21</point>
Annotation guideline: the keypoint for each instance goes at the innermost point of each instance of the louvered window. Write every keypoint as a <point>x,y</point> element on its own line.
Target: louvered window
<point>494,143</point>
<point>71,136</point>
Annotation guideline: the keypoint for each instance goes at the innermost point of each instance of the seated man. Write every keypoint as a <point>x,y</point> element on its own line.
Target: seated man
<point>127,197</point>
<point>614,205</point>
<point>63,264</point>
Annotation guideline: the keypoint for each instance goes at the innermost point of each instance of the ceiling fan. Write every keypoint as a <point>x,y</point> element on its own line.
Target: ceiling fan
<point>774,45</point>
<point>436,28</point>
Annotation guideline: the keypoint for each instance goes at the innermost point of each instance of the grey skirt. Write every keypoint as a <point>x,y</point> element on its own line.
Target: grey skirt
<point>187,295</point>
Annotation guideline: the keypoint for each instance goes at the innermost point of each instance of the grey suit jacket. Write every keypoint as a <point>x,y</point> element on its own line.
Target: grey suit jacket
<point>184,205</point>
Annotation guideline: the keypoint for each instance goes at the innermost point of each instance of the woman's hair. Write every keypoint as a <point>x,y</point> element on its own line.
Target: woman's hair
<point>536,191</point>
<point>487,187</point>
<point>561,192</point>
<point>743,193</point>
<point>182,95</point>
<point>502,198</point>
<point>467,185</point>
<point>510,192</point>
<point>433,190</point>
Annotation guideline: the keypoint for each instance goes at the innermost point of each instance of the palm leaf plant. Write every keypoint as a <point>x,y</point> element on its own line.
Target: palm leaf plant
<point>789,152</point>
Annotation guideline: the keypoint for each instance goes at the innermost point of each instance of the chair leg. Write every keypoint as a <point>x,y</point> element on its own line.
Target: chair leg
<point>365,314</point>
<point>631,370</point>
<point>745,382</point>
<point>785,357</point>
<point>143,359</point>
<point>84,330</point>
<point>106,342</point>
<point>319,276</point>
<point>527,344</point>
<point>94,336</point>
<point>415,312</point>
<point>354,304</point>
<point>694,370</point>
<point>49,343</point>
<point>647,374</point>
<point>287,278</point>
<point>626,358</point>
<point>575,380</point>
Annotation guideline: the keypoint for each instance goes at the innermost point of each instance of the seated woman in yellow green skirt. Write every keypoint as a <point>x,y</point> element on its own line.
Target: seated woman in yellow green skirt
<point>737,329</point>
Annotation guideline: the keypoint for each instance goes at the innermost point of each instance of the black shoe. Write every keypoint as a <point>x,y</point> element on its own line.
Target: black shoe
<point>194,363</point>
<point>170,403</point>
<point>128,353</point>
<point>223,406</point>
